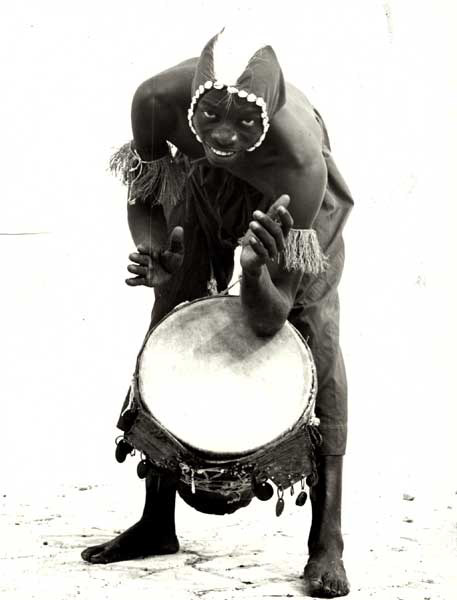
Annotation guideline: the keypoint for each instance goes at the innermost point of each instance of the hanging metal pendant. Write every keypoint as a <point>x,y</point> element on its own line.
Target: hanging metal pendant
<point>279,507</point>
<point>143,468</point>
<point>280,502</point>
<point>312,479</point>
<point>301,498</point>
<point>263,490</point>
<point>122,449</point>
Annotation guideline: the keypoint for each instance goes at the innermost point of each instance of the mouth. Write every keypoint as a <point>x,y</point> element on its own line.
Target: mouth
<point>221,153</point>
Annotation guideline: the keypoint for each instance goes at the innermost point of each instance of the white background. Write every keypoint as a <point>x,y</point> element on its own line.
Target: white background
<point>383,76</point>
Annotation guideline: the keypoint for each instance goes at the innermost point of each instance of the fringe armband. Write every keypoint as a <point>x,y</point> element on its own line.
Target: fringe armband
<point>303,251</point>
<point>159,181</point>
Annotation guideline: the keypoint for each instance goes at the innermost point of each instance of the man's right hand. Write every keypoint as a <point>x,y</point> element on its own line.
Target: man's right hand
<point>155,267</point>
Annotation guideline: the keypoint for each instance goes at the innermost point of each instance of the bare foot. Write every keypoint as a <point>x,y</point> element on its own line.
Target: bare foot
<point>137,542</point>
<point>325,577</point>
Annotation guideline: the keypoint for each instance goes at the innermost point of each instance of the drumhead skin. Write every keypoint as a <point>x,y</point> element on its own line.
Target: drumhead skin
<point>216,385</point>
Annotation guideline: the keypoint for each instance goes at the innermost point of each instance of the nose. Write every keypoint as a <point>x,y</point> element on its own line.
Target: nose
<point>224,136</point>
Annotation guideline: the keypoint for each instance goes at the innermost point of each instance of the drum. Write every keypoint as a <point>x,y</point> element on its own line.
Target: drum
<point>221,407</point>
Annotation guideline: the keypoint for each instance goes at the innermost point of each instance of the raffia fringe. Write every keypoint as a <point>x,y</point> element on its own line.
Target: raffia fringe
<point>303,251</point>
<point>157,182</point>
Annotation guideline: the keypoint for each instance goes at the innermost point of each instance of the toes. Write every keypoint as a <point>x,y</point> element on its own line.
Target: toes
<point>98,555</point>
<point>334,587</point>
<point>89,552</point>
<point>99,559</point>
<point>326,584</point>
<point>312,587</point>
<point>319,589</point>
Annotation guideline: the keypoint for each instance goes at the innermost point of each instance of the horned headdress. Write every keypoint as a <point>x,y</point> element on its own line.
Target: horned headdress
<point>231,64</point>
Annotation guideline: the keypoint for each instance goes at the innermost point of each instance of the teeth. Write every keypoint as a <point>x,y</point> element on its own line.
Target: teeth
<point>221,153</point>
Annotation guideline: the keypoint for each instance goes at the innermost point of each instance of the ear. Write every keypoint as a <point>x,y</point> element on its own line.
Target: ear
<point>205,66</point>
<point>281,91</point>
<point>272,71</point>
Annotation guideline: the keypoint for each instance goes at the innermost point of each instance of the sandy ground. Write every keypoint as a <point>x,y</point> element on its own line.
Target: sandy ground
<point>70,328</point>
<point>398,546</point>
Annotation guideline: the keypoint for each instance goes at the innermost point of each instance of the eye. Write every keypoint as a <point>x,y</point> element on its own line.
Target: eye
<point>209,115</point>
<point>247,122</point>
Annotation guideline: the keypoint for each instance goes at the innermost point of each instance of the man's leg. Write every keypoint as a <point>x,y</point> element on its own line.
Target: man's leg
<point>153,534</point>
<point>324,575</point>
<point>318,321</point>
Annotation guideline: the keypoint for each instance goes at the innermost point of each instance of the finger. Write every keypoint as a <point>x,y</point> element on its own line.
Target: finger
<point>138,270</point>
<point>283,200</point>
<point>142,259</point>
<point>286,220</point>
<point>285,217</point>
<point>171,261</point>
<point>265,238</point>
<point>273,227</point>
<point>176,244</point>
<point>278,211</point>
<point>134,281</point>
<point>258,247</point>
<point>143,248</point>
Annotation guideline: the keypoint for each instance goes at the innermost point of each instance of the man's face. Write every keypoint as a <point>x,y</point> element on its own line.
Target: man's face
<point>227,125</point>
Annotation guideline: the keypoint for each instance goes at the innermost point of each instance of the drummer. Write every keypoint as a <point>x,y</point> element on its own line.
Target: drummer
<point>224,152</point>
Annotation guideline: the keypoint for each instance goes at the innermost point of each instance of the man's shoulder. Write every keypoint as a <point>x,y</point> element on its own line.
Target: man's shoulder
<point>159,109</point>
<point>167,88</point>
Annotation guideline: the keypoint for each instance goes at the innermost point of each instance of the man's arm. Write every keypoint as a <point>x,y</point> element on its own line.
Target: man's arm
<point>147,225</point>
<point>269,285</point>
<point>158,256</point>
<point>305,185</point>
<point>151,121</point>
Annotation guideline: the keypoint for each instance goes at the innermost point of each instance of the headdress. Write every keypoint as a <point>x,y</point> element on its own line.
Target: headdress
<point>238,67</point>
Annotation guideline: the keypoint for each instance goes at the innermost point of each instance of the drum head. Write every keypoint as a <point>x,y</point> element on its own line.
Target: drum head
<point>216,385</point>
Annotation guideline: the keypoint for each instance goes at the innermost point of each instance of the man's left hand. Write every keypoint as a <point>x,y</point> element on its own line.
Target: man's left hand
<point>266,236</point>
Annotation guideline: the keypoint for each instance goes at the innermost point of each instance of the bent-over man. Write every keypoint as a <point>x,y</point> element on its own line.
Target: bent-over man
<point>225,150</point>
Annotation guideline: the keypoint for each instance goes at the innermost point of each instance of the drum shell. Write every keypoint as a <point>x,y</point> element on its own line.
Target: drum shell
<point>284,460</point>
